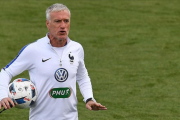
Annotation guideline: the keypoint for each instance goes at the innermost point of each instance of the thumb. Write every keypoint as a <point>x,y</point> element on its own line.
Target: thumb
<point>88,107</point>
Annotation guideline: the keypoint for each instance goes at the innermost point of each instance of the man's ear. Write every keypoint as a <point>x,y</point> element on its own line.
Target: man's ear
<point>47,23</point>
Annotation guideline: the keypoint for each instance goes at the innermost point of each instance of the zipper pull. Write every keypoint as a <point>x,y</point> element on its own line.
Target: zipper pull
<point>60,63</point>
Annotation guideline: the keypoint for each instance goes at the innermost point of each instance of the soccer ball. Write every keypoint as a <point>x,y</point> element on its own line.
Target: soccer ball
<point>23,92</point>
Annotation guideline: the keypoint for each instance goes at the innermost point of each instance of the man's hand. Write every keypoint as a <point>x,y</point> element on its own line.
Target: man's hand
<point>5,102</point>
<point>91,105</point>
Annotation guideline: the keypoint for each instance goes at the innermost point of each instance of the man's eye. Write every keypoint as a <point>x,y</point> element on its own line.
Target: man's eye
<point>66,21</point>
<point>57,21</point>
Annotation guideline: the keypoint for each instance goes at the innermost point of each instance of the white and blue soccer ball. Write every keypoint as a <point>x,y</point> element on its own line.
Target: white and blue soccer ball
<point>23,92</point>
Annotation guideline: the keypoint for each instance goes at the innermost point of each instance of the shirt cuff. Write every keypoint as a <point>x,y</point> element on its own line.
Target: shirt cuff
<point>85,100</point>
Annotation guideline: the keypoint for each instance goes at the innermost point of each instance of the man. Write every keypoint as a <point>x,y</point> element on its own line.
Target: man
<point>55,63</point>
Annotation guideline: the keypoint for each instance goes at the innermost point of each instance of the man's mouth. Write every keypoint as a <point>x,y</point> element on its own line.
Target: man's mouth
<point>62,32</point>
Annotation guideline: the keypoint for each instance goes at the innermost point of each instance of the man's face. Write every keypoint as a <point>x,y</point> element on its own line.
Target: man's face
<point>59,24</point>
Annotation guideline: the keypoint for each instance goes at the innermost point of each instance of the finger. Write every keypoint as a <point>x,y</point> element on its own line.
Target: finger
<point>88,107</point>
<point>7,104</point>
<point>98,106</point>
<point>102,108</point>
<point>4,105</point>
<point>12,103</point>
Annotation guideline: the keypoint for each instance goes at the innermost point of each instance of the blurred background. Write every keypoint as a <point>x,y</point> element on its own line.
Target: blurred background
<point>132,53</point>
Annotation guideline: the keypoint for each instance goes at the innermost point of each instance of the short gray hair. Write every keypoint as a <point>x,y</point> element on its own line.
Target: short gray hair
<point>55,8</point>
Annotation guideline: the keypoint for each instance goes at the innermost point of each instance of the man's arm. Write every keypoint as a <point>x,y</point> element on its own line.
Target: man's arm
<point>83,78</point>
<point>22,62</point>
<point>5,101</point>
<point>85,86</point>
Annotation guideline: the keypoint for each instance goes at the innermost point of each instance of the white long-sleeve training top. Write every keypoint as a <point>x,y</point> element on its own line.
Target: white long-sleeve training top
<point>54,71</point>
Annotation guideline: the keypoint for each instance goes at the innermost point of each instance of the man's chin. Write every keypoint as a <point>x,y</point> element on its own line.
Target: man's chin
<point>62,38</point>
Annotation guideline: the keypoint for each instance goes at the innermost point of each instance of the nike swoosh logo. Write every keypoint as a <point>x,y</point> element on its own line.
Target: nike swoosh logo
<point>46,60</point>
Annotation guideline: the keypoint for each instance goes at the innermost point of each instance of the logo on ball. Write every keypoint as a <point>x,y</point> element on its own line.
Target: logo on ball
<point>61,75</point>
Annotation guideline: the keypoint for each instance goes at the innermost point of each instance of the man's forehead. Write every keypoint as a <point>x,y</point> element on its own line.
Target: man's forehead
<point>60,13</point>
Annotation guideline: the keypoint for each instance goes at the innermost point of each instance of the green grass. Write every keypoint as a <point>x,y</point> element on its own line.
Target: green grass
<point>132,53</point>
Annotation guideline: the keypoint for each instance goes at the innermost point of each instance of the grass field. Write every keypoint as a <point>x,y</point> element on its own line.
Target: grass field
<point>132,53</point>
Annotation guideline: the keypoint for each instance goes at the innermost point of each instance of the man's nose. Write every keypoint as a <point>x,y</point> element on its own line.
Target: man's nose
<point>63,24</point>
